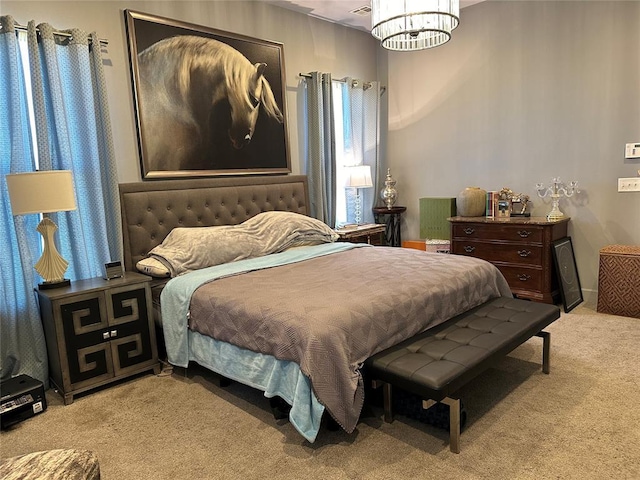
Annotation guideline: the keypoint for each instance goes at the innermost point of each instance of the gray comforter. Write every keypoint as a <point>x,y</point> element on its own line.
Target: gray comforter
<point>329,314</point>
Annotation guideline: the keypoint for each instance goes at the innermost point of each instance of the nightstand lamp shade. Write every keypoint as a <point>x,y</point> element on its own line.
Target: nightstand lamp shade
<point>359,177</point>
<point>44,191</point>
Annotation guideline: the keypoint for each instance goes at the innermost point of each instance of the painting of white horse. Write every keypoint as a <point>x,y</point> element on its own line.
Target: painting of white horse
<point>204,108</point>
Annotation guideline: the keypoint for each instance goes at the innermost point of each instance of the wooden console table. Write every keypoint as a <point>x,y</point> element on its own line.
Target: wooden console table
<point>519,246</point>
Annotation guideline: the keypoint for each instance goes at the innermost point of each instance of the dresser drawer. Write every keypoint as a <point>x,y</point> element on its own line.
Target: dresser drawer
<point>516,233</point>
<point>500,252</point>
<point>523,278</point>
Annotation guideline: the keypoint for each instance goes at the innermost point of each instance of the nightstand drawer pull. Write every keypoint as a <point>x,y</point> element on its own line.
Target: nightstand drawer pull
<point>114,333</point>
<point>524,233</point>
<point>523,277</point>
<point>524,253</point>
<point>105,335</point>
<point>469,248</point>
<point>469,231</point>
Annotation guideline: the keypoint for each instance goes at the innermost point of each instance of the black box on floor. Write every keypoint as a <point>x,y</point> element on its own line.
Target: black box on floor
<point>22,397</point>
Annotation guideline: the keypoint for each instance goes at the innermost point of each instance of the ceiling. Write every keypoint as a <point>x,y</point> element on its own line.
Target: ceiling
<point>340,11</point>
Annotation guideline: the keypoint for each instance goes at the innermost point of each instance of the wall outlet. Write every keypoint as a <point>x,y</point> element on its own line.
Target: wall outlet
<point>631,184</point>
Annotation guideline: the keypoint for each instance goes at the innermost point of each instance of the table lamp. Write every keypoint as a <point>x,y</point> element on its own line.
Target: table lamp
<point>359,177</point>
<point>44,191</point>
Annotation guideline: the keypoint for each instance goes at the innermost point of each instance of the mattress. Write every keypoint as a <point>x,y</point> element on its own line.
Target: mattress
<point>325,309</point>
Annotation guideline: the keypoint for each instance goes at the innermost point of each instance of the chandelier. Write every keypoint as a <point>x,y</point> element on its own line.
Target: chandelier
<point>406,25</point>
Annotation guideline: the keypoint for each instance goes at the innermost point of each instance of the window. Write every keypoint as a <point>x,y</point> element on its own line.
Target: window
<point>349,121</point>
<point>24,57</point>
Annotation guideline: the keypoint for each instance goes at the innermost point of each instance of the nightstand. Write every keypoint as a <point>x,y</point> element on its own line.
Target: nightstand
<point>392,222</point>
<point>98,331</point>
<point>373,234</point>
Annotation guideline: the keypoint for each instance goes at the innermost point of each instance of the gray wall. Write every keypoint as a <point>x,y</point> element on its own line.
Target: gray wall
<point>524,92</point>
<point>309,44</point>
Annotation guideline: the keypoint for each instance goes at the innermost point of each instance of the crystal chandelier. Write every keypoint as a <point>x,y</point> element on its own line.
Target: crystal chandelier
<point>406,25</point>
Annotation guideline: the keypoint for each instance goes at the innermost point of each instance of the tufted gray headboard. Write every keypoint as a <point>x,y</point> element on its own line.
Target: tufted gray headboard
<point>151,209</point>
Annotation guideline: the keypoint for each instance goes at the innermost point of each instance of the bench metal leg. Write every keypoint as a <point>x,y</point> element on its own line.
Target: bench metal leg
<point>454,423</point>
<point>546,351</point>
<point>454,412</point>
<point>388,407</point>
<point>386,397</point>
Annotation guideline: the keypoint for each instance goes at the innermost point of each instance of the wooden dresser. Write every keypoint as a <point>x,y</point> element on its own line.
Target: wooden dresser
<point>519,246</point>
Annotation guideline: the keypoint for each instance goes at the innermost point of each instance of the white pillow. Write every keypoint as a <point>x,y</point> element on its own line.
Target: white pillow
<point>187,249</point>
<point>153,267</point>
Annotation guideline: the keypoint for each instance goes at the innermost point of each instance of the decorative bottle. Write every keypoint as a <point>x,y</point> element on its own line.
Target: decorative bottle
<point>389,194</point>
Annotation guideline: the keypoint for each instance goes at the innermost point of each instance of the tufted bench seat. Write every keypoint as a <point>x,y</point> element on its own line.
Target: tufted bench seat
<point>436,363</point>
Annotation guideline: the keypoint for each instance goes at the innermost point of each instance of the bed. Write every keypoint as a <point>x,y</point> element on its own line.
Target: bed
<point>297,323</point>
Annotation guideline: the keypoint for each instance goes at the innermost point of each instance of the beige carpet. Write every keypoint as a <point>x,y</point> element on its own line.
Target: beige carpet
<point>582,421</point>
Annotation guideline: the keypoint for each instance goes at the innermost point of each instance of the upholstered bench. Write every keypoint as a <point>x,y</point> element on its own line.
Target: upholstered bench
<point>436,363</point>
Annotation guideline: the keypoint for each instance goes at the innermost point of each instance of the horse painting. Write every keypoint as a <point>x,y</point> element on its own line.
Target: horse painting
<point>199,100</point>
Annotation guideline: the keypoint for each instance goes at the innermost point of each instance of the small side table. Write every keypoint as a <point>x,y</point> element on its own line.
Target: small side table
<point>392,223</point>
<point>368,233</point>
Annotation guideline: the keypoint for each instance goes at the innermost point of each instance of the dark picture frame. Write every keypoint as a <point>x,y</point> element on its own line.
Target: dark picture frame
<point>207,102</point>
<point>567,272</point>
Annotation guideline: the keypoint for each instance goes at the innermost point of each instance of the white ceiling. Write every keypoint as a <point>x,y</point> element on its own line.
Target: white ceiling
<point>339,11</point>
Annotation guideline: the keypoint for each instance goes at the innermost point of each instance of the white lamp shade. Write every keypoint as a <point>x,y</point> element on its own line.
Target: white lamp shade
<point>359,177</point>
<point>44,191</point>
<point>407,25</point>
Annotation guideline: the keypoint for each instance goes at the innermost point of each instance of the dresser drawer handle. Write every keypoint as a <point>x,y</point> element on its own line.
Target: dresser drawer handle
<point>524,233</point>
<point>469,231</point>
<point>524,253</point>
<point>523,277</point>
<point>469,248</point>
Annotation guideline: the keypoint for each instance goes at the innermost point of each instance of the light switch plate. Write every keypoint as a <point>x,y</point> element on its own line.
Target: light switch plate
<point>632,150</point>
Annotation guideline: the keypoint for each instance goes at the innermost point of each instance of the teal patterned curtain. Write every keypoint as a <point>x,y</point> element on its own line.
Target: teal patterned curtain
<point>321,148</point>
<point>359,120</point>
<point>22,344</point>
<point>73,132</point>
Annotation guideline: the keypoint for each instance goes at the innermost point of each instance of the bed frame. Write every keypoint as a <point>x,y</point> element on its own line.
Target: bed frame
<point>151,209</point>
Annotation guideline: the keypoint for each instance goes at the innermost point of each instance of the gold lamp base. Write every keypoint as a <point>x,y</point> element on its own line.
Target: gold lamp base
<point>51,265</point>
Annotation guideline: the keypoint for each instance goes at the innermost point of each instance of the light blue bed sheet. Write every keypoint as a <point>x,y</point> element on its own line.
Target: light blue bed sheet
<point>274,377</point>
<point>265,372</point>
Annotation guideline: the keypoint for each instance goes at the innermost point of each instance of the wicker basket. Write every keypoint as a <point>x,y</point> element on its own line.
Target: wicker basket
<point>619,280</point>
